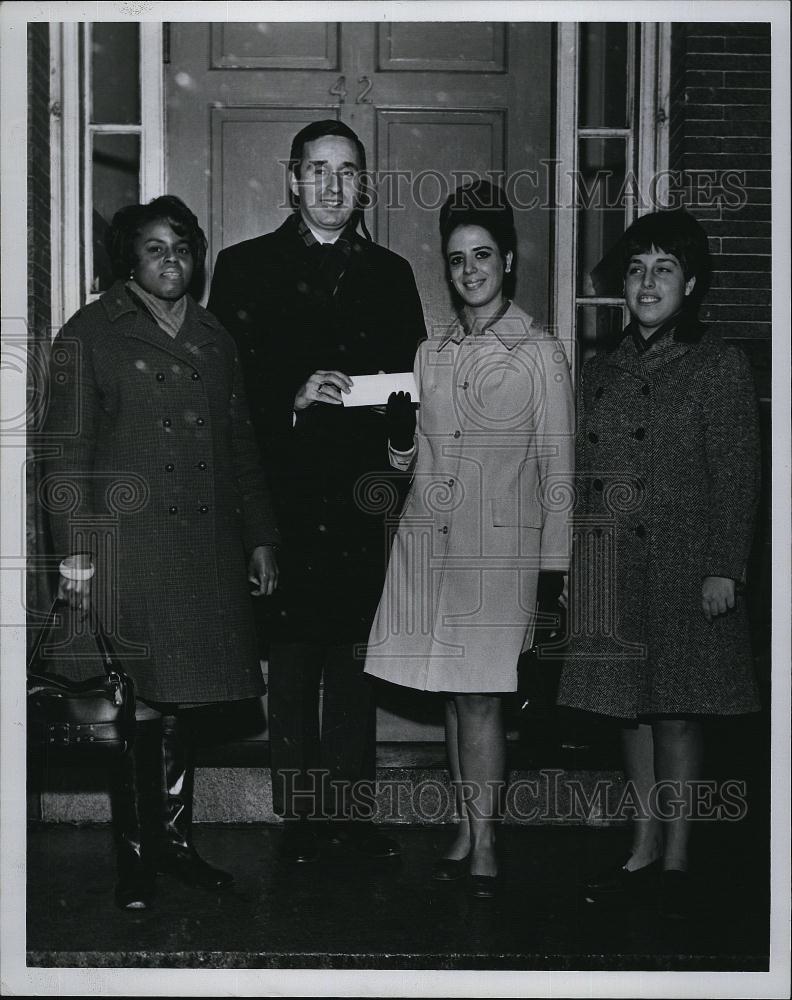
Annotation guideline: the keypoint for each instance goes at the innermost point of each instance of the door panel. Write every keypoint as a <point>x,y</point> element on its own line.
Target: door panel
<point>246,204</point>
<point>284,45</point>
<point>467,47</point>
<point>406,142</point>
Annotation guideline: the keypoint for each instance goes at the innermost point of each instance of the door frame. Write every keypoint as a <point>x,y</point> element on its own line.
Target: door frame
<point>70,189</point>
<point>70,198</point>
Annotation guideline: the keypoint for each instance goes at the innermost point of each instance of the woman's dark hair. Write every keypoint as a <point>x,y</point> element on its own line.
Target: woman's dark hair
<point>128,222</point>
<point>678,233</point>
<point>481,203</point>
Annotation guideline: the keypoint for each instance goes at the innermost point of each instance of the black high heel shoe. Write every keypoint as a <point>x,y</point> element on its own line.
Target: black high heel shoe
<point>484,886</point>
<point>449,869</point>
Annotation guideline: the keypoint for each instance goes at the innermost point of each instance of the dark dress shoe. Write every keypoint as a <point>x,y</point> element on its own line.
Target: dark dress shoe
<point>185,864</point>
<point>299,845</point>
<point>483,886</point>
<point>362,837</point>
<point>373,844</point>
<point>618,881</point>
<point>675,895</point>
<point>134,891</point>
<point>449,869</point>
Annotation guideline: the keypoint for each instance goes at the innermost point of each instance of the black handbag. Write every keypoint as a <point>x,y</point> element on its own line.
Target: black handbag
<point>537,676</point>
<point>95,715</point>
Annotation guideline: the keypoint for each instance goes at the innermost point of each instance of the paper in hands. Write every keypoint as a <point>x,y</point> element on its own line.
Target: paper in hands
<point>373,390</point>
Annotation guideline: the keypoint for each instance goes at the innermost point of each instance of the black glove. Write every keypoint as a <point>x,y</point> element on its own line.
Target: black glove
<point>400,421</point>
<point>549,588</point>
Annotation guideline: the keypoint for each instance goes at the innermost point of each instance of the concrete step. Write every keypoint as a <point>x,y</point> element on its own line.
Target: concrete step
<point>233,786</point>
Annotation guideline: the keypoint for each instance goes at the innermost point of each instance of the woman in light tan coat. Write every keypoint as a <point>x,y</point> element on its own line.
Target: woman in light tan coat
<point>488,509</point>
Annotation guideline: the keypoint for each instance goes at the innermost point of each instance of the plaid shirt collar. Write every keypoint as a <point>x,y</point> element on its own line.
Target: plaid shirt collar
<point>308,238</point>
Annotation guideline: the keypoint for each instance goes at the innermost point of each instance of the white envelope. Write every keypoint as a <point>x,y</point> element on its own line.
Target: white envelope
<point>373,390</point>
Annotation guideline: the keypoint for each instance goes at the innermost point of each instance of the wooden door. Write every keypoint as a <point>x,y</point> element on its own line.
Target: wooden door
<point>433,103</point>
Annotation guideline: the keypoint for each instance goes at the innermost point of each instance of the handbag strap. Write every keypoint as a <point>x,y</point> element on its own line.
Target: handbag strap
<point>101,638</point>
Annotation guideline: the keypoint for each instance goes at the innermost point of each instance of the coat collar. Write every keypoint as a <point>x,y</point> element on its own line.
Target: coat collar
<point>199,329</point>
<point>627,356</point>
<point>511,328</point>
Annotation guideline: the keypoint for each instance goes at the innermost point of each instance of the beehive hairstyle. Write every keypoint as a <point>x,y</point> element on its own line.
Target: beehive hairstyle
<point>481,203</point>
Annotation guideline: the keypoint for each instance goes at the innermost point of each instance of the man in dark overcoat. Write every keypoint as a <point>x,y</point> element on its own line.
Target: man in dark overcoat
<point>311,306</point>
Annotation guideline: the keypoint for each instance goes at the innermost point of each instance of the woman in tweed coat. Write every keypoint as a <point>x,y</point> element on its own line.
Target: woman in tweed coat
<point>488,508</point>
<point>668,477</point>
<point>159,504</point>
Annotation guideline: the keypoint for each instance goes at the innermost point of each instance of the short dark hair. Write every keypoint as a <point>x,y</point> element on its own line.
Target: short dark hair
<point>318,130</point>
<point>128,222</point>
<point>481,203</point>
<point>678,233</point>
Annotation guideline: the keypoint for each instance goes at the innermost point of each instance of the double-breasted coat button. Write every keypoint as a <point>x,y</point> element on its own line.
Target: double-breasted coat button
<point>457,434</point>
<point>160,377</point>
<point>169,467</point>
<point>200,421</point>
<point>598,485</point>
<point>645,389</point>
<point>639,433</point>
<point>593,437</point>
<point>173,509</point>
<point>166,422</point>
<point>202,466</point>
<point>640,531</point>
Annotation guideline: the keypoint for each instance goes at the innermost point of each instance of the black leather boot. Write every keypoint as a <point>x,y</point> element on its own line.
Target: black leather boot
<point>176,855</point>
<point>135,801</point>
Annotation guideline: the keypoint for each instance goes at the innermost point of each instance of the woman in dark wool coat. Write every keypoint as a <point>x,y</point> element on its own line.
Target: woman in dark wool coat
<point>160,507</point>
<point>667,483</point>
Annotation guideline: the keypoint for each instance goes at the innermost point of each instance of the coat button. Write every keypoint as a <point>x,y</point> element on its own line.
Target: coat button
<point>593,437</point>
<point>202,465</point>
<point>160,377</point>
<point>173,510</point>
<point>196,377</point>
<point>645,389</point>
<point>203,508</point>
<point>457,434</point>
<point>169,467</point>
<point>166,422</point>
<point>598,485</point>
<point>639,433</point>
<point>200,422</point>
<point>640,531</point>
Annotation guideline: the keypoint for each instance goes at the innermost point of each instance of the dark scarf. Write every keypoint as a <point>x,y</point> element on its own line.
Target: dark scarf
<point>329,260</point>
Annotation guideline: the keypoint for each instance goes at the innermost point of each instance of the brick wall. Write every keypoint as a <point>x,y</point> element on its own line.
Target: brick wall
<point>39,305</point>
<point>720,121</point>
